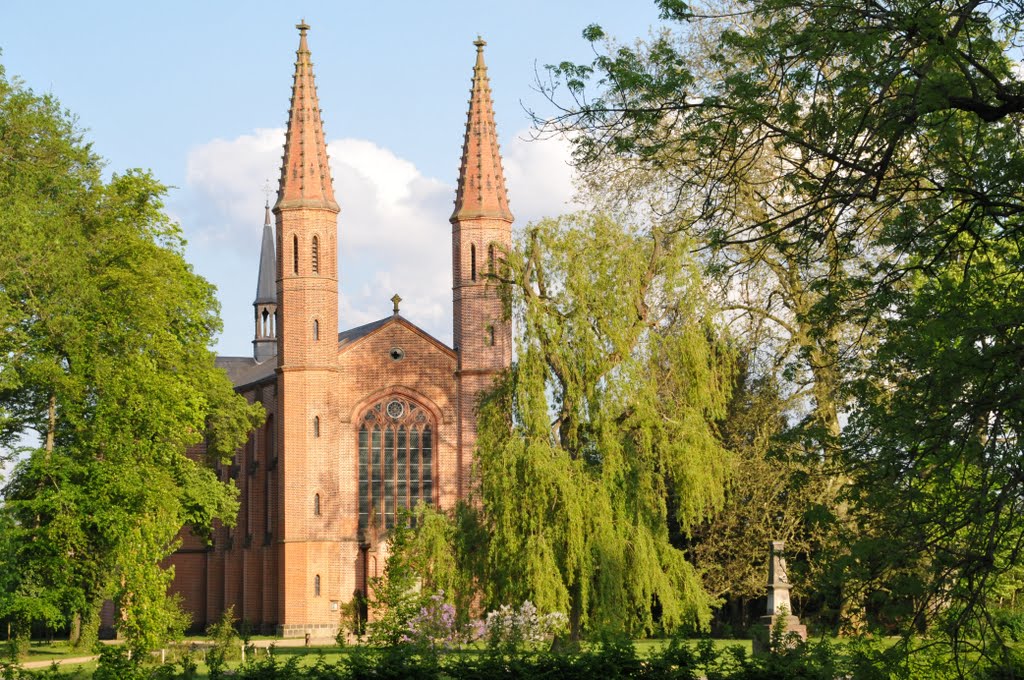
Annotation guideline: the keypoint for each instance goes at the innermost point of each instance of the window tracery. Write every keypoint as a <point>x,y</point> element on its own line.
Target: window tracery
<point>396,460</point>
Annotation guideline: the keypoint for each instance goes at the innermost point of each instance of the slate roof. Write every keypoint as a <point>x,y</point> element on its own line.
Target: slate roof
<point>353,334</point>
<point>245,370</point>
<point>266,284</point>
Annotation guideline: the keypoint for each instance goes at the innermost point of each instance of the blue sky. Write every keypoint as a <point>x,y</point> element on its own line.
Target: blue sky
<point>198,92</point>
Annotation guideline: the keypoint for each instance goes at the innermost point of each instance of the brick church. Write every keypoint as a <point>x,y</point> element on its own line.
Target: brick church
<point>360,423</point>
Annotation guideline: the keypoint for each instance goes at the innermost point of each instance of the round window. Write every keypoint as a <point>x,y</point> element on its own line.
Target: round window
<point>396,353</point>
<point>395,409</point>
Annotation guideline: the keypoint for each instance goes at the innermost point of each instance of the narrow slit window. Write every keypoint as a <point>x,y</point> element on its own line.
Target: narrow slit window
<point>389,478</point>
<point>316,504</point>
<point>316,586</point>
<point>401,465</point>
<point>295,254</point>
<point>490,259</point>
<point>316,329</point>
<point>364,478</point>
<point>378,485</point>
<point>316,255</point>
<point>316,426</point>
<point>472,261</point>
<point>414,468</point>
<point>426,467</point>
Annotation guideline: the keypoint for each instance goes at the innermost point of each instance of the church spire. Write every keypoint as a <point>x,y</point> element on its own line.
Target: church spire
<point>264,342</point>
<point>305,174</point>
<point>266,281</point>
<point>481,189</point>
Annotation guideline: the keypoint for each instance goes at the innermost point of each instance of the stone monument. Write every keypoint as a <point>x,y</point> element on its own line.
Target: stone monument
<point>779,606</point>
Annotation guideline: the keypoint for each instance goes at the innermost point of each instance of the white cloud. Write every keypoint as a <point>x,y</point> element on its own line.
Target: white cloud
<point>394,234</point>
<point>539,177</point>
<point>227,178</point>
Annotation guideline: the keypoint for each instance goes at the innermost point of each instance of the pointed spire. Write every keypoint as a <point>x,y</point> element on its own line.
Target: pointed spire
<point>481,191</point>
<point>305,174</point>
<point>266,286</point>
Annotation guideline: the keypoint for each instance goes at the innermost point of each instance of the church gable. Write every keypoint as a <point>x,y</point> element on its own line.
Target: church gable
<point>396,356</point>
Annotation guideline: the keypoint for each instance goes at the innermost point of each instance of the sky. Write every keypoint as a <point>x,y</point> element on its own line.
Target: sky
<point>198,93</point>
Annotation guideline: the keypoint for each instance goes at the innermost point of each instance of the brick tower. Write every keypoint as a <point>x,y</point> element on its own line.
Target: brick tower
<point>308,438</point>
<point>481,232</point>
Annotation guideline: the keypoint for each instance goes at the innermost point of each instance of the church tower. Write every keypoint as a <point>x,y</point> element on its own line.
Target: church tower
<point>264,344</point>
<point>481,233</point>
<point>307,298</point>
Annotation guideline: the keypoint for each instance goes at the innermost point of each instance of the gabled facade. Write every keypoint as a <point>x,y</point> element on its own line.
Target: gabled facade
<point>360,423</point>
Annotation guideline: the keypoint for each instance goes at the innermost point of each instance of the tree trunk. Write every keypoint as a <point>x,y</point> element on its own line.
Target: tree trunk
<point>75,634</point>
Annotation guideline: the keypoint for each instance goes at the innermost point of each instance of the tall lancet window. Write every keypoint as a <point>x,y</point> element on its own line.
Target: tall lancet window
<point>295,254</point>
<point>472,261</point>
<point>395,440</point>
<point>490,259</point>
<point>316,255</point>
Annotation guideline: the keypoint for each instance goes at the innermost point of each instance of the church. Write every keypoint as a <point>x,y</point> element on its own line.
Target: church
<point>361,423</point>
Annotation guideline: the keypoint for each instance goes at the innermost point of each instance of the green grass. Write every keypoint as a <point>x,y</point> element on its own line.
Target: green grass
<point>48,651</point>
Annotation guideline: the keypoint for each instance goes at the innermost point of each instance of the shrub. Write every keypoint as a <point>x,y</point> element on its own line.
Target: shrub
<point>509,630</point>
<point>225,645</point>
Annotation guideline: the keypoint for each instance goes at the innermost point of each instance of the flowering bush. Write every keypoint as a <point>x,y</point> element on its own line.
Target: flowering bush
<point>435,626</point>
<point>511,629</point>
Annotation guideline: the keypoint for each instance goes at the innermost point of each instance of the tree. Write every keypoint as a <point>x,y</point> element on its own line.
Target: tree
<point>785,298</point>
<point>601,433</point>
<point>106,372</point>
<point>893,132</point>
<point>773,495</point>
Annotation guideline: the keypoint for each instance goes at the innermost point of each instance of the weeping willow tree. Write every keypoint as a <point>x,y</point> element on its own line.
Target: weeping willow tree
<point>601,436</point>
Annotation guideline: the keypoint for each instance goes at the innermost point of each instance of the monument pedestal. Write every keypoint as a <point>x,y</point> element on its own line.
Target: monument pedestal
<point>793,634</point>
<point>780,611</point>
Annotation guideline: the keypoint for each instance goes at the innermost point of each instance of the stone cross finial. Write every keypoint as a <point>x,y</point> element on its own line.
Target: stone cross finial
<point>395,299</point>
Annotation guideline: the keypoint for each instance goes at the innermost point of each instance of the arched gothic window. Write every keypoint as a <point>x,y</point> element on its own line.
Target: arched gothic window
<point>472,261</point>
<point>316,426</point>
<point>316,586</point>
<point>396,460</point>
<point>316,329</point>
<point>295,254</point>
<point>316,255</point>
<point>316,504</point>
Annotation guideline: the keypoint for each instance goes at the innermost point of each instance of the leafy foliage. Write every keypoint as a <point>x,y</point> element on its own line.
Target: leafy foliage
<point>871,154</point>
<point>604,425</point>
<point>105,363</point>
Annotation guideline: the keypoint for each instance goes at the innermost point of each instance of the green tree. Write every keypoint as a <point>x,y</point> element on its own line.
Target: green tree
<point>105,362</point>
<point>773,495</point>
<point>785,298</point>
<point>397,594</point>
<point>893,136</point>
<point>601,434</point>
